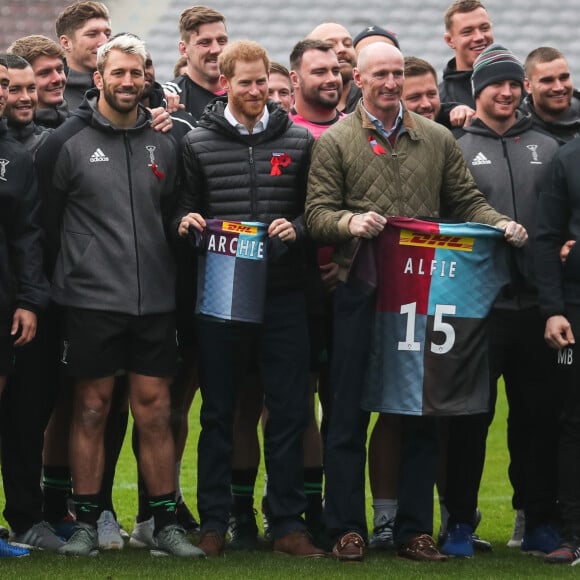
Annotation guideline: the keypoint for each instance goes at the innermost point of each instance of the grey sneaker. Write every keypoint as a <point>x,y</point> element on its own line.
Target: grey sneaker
<point>142,534</point>
<point>109,532</point>
<point>84,542</point>
<point>41,536</point>
<point>518,532</point>
<point>172,541</point>
<point>382,536</point>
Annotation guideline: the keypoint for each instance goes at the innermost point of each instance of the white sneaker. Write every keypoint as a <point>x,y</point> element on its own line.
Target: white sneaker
<point>518,532</point>
<point>109,532</point>
<point>142,534</point>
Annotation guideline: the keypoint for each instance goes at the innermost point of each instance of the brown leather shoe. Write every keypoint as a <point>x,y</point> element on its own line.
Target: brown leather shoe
<point>421,549</point>
<point>349,548</point>
<point>297,544</point>
<point>212,543</point>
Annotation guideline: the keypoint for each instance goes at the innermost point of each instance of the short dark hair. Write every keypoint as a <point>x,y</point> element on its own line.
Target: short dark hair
<point>75,15</point>
<point>276,67</point>
<point>192,18</point>
<point>540,55</point>
<point>305,45</point>
<point>15,61</point>
<point>34,46</point>
<point>415,67</point>
<point>460,6</point>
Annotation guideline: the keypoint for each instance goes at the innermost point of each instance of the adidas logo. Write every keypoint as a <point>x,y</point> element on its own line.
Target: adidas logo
<point>480,159</point>
<point>98,156</point>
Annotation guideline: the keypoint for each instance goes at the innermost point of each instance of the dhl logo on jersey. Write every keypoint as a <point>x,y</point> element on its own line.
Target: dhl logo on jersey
<point>239,228</point>
<point>439,241</point>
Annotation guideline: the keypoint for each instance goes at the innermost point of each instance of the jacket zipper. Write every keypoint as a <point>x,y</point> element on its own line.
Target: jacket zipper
<point>253,202</point>
<point>128,157</point>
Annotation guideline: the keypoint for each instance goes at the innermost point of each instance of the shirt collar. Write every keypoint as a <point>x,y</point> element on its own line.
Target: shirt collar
<point>379,124</point>
<point>259,127</point>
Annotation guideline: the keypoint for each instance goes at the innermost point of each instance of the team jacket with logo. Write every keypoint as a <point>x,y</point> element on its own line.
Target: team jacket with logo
<point>105,191</point>
<point>22,283</point>
<point>510,170</point>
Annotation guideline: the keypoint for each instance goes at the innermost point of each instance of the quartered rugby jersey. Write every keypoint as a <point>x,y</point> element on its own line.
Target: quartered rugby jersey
<point>436,283</point>
<point>231,282</point>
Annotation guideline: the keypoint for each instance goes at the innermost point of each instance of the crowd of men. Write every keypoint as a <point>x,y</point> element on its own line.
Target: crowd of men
<point>232,230</point>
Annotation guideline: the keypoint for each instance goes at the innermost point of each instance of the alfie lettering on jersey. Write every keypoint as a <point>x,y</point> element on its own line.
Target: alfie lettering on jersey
<point>435,284</point>
<point>232,270</point>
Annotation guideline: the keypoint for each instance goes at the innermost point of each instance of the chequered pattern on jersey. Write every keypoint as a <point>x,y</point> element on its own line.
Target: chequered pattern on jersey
<point>232,270</point>
<point>436,284</point>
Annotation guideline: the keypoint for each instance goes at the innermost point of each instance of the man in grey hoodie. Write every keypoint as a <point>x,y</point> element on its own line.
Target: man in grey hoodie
<point>108,181</point>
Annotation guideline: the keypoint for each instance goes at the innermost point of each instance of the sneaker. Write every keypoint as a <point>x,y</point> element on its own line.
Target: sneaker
<point>266,519</point>
<point>185,519</point>
<point>382,536</point>
<point>459,541</point>
<point>9,551</point>
<point>41,536</point>
<point>172,541</point>
<point>84,542</point>
<point>421,549</point>
<point>142,534</point>
<point>566,553</point>
<point>243,531</point>
<point>540,541</point>
<point>109,532</point>
<point>518,532</point>
<point>65,527</point>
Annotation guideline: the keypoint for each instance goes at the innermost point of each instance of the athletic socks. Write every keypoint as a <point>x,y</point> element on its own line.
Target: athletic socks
<point>384,510</point>
<point>163,509</point>
<point>88,508</point>
<point>313,491</point>
<point>56,485</point>
<point>243,483</point>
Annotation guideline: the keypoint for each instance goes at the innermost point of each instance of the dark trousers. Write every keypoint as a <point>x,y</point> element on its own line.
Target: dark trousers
<point>465,438</point>
<point>345,448</point>
<point>519,352</point>
<point>569,448</point>
<point>26,407</point>
<point>282,350</point>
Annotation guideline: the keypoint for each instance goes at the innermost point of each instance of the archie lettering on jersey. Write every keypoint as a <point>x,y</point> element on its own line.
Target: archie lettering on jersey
<point>232,270</point>
<point>435,284</point>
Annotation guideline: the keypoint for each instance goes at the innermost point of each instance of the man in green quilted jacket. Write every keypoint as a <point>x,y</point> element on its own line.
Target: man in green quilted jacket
<point>382,160</point>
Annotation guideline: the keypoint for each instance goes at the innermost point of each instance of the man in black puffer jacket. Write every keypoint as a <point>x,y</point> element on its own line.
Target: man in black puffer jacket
<point>247,162</point>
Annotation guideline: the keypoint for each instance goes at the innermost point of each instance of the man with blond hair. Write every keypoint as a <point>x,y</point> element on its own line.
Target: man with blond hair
<point>113,274</point>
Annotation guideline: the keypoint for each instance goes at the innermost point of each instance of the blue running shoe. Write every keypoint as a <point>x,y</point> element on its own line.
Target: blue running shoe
<point>540,540</point>
<point>458,541</point>
<point>9,551</point>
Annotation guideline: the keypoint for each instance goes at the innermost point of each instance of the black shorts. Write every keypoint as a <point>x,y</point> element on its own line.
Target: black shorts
<point>98,343</point>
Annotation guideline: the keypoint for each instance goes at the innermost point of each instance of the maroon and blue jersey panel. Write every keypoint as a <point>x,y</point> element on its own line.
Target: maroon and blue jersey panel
<point>436,283</point>
<point>232,270</point>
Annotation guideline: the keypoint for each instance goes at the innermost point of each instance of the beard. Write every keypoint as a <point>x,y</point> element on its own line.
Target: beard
<point>122,106</point>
